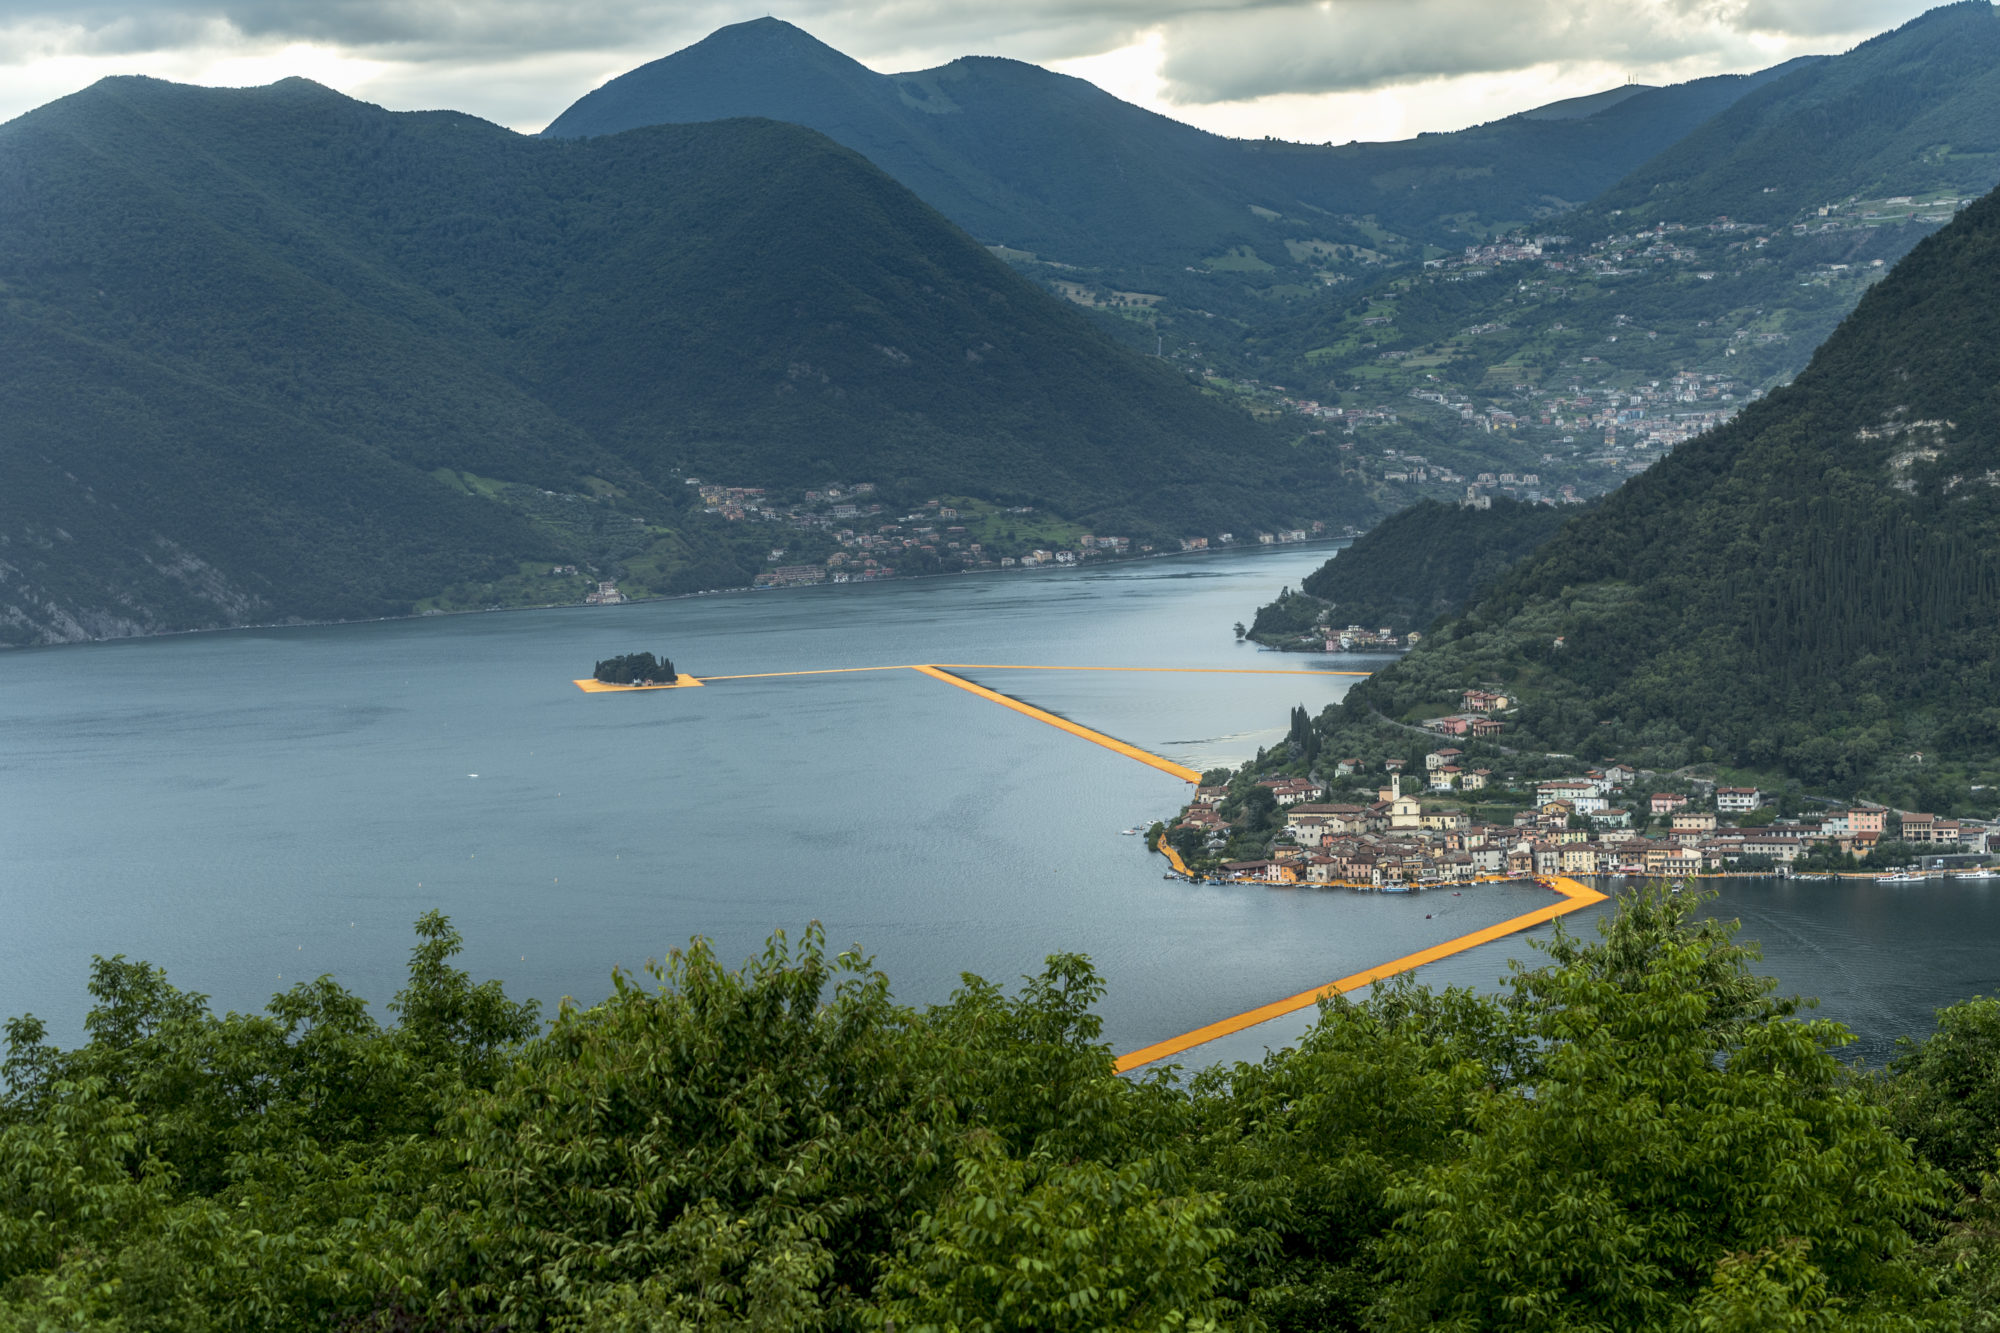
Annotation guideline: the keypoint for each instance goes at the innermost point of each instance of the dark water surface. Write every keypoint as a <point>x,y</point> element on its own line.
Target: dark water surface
<point>254,808</point>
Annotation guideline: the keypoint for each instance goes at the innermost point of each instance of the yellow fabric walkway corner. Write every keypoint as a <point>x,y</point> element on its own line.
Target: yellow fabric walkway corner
<point>1574,895</point>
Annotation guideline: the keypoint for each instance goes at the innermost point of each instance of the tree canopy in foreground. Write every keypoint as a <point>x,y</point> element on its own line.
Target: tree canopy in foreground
<point>1635,1134</point>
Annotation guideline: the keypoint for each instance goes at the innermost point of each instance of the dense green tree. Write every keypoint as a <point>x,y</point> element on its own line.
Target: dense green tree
<point>1944,1093</point>
<point>1635,1134</point>
<point>1674,1117</point>
<point>1306,1144</point>
<point>1054,1245</point>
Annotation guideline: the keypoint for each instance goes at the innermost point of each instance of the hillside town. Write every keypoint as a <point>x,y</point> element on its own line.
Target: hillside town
<point>1448,817</point>
<point>840,533</point>
<point>1591,360</point>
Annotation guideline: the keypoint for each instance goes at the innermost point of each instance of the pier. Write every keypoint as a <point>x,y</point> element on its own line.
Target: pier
<point>1571,894</point>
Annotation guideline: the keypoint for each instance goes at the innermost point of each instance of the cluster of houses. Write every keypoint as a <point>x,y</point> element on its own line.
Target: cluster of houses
<point>1576,826</point>
<point>1358,638</point>
<point>858,541</point>
<point>1474,720</point>
<point>739,504</point>
<point>1286,538</point>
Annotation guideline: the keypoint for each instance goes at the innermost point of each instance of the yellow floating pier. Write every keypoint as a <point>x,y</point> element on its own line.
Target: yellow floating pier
<point>1174,671</point>
<point>1181,771</point>
<point>1573,895</point>
<point>828,671</point>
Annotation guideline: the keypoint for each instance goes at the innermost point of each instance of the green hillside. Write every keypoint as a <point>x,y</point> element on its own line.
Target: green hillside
<point>274,353</point>
<point>1417,565</point>
<point>1813,590</point>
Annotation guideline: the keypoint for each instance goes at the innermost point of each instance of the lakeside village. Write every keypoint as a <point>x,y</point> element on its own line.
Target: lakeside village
<point>1456,807</point>
<point>839,533</point>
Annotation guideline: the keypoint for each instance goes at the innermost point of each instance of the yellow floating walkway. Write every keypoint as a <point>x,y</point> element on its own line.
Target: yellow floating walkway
<point>828,671</point>
<point>1181,771</point>
<point>1574,895</point>
<point>1181,671</point>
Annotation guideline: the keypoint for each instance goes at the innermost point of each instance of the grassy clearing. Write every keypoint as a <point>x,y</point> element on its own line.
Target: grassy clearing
<point>1239,259</point>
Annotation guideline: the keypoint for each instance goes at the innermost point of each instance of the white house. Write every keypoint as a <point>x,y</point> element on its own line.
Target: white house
<point>1737,800</point>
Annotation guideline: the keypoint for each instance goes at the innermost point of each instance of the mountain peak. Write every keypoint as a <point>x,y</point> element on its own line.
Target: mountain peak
<point>766,37</point>
<point>744,69</point>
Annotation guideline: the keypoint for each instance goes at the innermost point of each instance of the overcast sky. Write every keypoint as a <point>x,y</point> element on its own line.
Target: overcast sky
<point>1317,70</point>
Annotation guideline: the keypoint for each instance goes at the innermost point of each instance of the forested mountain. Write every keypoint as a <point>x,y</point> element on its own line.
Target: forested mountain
<point>1813,590</point>
<point>1045,163</point>
<point>1415,566</point>
<point>274,353</point>
<point>1912,113</point>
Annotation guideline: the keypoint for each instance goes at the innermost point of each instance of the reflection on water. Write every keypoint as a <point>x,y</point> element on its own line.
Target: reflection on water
<point>254,808</point>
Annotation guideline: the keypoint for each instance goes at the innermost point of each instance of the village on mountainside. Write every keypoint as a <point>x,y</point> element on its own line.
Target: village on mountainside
<point>1442,814</point>
<point>1549,369</point>
<point>839,533</point>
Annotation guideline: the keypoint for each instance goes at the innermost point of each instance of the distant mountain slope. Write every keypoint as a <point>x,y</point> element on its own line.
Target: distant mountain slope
<point>1050,164</point>
<point>1717,260</point>
<point>1912,112</point>
<point>257,340</point>
<point>1449,189</point>
<point>1812,590</point>
<point>1574,108</point>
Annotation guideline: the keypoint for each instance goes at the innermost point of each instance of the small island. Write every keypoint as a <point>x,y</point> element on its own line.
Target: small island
<point>635,671</point>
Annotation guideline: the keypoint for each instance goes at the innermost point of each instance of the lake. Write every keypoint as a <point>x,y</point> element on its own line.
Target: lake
<point>252,808</point>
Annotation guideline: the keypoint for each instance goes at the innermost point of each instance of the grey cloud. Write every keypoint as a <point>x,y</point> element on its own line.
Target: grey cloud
<point>1347,45</point>
<point>1822,17</point>
<point>1216,50</point>
<point>423,28</point>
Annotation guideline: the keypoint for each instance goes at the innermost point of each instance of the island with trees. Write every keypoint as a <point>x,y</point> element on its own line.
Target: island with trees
<point>641,670</point>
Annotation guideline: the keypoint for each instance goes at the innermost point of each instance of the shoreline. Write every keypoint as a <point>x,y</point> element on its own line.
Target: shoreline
<point>671,597</point>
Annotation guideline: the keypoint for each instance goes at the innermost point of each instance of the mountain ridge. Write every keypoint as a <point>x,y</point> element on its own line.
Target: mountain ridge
<point>1870,120</point>
<point>1059,164</point>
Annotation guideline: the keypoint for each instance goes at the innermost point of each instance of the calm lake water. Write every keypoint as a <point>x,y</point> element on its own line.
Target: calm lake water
<point>253,808</point>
